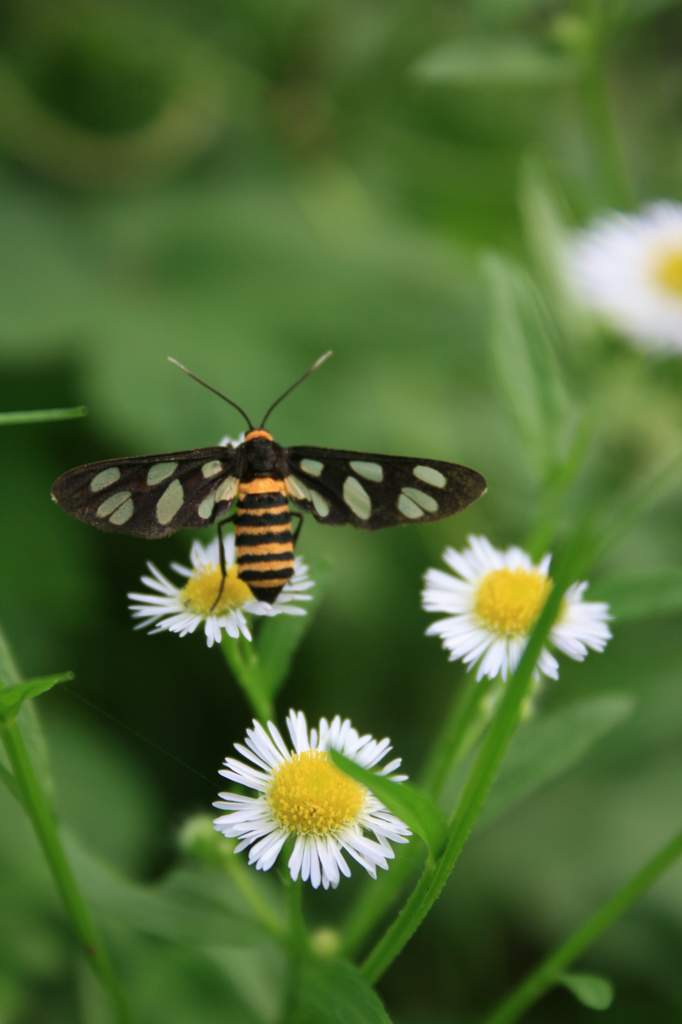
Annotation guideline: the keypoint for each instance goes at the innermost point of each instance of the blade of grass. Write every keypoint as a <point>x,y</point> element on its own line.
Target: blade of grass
<point>549,972</point>
<point>20,419</point>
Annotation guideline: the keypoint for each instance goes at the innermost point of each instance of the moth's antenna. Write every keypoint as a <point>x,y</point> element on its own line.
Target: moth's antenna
<point>316,365</point>
<point>210,388</point>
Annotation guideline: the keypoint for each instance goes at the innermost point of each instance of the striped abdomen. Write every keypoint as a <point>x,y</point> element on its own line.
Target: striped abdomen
<point>265,548</point>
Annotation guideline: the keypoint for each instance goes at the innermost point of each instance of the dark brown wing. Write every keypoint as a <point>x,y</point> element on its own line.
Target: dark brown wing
<point>152,496</point>
<point>373,491</point>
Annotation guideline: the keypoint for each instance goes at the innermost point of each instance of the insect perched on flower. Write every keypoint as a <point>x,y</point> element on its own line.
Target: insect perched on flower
<point>165,606</point>
<point>153,496</point>
<point>303,795</point>
<point>492,603</point>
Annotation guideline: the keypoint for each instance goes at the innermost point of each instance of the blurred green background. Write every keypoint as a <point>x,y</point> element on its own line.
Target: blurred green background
<point>244,185</point>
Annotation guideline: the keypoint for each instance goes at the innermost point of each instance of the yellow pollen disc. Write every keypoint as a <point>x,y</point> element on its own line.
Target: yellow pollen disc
<point>310,796</point>
<point>201,590</point>
<point>508,601</point>
<point>667,269</point>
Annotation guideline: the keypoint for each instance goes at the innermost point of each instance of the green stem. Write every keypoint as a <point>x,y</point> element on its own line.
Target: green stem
<point>481,777</point>
<point>599,115</point>
<point>546,974</point>
<point>242,658</point>
<point>242,877</point>
<point>15,419</point>
<point>39,811</point>
<point>466,719</point>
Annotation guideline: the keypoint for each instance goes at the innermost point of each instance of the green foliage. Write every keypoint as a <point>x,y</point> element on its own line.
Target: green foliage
<point>495,63</point>
<point>526,364</point>
<point>410,804</point>
<point>8,419</point>
<point>550,745</point>
<point>593,991</point>
<point>334,992</point>
<point>13,697</point>
<point>641,595</point>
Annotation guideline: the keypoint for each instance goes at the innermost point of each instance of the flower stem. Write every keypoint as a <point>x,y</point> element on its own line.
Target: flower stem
<point>466,719</point>
<point>242,876</point>
<point>39,811</point>
<point>242,658</point>
<point>545,975</point>
<point>35,801</point>
<point>599,115</point>
<point>477,786</point>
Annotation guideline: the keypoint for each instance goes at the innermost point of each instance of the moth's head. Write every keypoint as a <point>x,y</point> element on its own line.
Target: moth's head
<point>254,435</point>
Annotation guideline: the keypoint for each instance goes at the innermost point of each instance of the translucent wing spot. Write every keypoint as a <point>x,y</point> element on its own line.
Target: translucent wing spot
<point>297,489</point>
<point>105,478</point>
<point>320,504</point>
<point>211,468</point>
<point>206,507</point>
<point>421,498</point>
<point>112,503</point>
<point>160,471</point>
<point>373,471</point>
<point>357,498</point>
<point>123,513</point>
<point>170,502</point>
<point>312,467</point>
<point>227,489</point>
<point>429,475</point>
<point>409,508</point>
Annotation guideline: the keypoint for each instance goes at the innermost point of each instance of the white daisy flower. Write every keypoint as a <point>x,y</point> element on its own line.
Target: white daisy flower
<point>302,795</point>
<point>492,602</point>
<point>183,608</point>
<point>627,269</point>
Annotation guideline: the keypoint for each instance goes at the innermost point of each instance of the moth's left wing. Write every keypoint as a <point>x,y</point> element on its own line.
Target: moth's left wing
<point>151,496</point>
<point>372,491</point>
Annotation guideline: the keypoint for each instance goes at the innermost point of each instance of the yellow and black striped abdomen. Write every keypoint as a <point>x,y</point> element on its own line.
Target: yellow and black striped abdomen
<point>265,547</point>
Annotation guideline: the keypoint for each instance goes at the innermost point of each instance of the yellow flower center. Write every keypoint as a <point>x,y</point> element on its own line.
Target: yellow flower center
<point>202,588</point>
<point>310,796</point>
<point>508,601</point>
<point>667,269</point>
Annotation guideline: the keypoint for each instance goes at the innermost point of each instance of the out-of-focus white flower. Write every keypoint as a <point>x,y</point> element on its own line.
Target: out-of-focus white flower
<point>627,269</point>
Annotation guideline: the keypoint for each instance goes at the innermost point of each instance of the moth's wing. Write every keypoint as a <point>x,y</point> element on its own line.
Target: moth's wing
<point>152,496</point>
<point>373,491</point>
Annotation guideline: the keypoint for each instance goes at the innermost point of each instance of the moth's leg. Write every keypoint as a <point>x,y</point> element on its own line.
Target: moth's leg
<point>299,525</point>
<point>221,555</point>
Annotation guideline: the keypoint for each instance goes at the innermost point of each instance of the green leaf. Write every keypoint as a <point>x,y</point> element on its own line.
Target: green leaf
<point>186,907</point>
<point>409,803</point>
<point>11,783</point>
<point>547,747</point>
<point>15,419</point>
<point>12,697</point>
<point>334,992</point>
<point>641,595</point>
<point>522,339</point>
<point>593,991</point>
<point>280,637</point>
<point>504,61</point>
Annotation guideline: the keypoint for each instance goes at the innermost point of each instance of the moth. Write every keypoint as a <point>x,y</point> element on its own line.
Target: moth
<point>261,487</point>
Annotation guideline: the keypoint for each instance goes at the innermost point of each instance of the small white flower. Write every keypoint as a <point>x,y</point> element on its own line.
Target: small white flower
<point>627,269</point>
<point>302,795</point>
<point>182,609</point>
<point>492,602</point>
